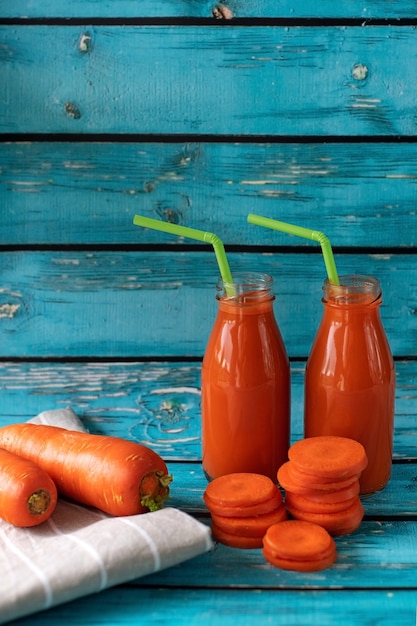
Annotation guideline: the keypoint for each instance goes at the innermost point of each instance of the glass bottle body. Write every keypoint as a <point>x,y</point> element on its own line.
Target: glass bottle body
<point>245,384</point>
<point>350,376</point>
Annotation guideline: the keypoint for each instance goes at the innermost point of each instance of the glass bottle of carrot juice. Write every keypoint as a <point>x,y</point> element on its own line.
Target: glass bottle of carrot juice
<point>350,376</point>
<point>245,383</point>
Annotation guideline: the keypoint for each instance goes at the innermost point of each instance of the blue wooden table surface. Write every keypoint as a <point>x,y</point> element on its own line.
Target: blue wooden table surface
<point>199,113</point>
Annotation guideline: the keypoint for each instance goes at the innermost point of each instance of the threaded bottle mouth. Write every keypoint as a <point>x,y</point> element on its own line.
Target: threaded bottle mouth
<point>353,289</point>
<point>247,288</point>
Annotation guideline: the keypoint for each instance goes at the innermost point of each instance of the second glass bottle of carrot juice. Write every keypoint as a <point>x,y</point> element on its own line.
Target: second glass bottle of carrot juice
<point>350,376</point>
<point>245,383</point>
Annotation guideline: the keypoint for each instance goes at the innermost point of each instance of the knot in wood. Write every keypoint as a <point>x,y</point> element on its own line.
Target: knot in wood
<point>221,12</point>
<point>85,43</point>
<point>359,71</point>
<point>72,110</point>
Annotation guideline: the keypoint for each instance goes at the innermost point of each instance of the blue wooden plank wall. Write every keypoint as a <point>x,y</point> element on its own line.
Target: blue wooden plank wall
<point>297,111</point>
<point>197,113</point>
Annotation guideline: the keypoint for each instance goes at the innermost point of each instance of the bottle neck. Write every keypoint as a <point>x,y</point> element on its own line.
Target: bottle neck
<point>354,291</point>
<point>249,292</point>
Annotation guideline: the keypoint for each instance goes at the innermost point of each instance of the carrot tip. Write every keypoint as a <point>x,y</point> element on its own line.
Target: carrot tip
<point>154,490</point>
<point>39,502</point>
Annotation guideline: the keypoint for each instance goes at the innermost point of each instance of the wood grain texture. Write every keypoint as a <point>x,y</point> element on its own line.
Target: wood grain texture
<point>87,193</point>
<point>274,81</point>
<point>204,8</point>
<point>158,404</point>
<point>124,606</point>
<point>325,113</point>
<point>136,304</point>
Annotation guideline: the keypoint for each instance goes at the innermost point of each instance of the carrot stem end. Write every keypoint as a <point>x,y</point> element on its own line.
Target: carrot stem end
<point>39,502</point>
<point>154,490</point>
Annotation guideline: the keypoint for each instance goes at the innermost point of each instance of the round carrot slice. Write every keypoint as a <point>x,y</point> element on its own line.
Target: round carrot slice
<point>339,495</point>
<point>254,526</point>
<point>235,541</point>
<point>319,482</point>
<point>329,456</point>
<point>298,540</point>
<point>338,491</point>
<point>239,489</point>
<point>335,523</point>
<point>246,511</point>
<point>312,565</point>
<point>315,506</point>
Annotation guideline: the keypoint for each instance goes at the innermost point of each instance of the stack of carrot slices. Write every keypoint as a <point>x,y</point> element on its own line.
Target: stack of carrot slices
<point>243,506</point>
<point>321,481</point>
<point>299,546</point>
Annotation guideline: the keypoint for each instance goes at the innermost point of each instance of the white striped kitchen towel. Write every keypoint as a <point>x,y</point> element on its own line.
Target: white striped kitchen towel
<point>80,551</point>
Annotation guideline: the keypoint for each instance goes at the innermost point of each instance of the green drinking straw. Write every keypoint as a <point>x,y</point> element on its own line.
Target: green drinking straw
<point>193,233</point>
<point>300,231</point>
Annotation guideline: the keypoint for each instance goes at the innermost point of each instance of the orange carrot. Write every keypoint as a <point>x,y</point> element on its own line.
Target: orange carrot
<point>298,540</point>
<point>239,489</point>
<point>317,506</point>
<point>328,456</point>
<point>290,472</point>
<point>28,496</point>
<point>336,494</point>
<point>235,541</point>
<point>246,511</point>
<point>119,477</point>
<point>300,546</point>
<point>312,565</point>
<point>251,526</point>
<point>337,523</point>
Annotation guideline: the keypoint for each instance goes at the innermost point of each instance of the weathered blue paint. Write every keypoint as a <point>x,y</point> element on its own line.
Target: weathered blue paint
<point>158,404</point>
<point>204,8</point>
<point>164,79</point>
<point>310,122</point>
<point>359,195</point>
<point>128,304</point>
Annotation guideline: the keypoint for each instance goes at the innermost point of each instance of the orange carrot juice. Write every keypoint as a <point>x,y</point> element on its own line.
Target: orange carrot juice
<point>245,384</point>
<point>350,377</point>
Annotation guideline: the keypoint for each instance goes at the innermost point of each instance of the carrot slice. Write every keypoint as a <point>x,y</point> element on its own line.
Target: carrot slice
<point>317,506</point>
<point>316,482</point>
<point>336,494</point>
<point>336,524</point>
<point>313,565</point>
<point>324,482</point>
<point>298,540</point>
<point>246,511</point>
<point>239,489</point>
<point>235,541</point>
<point>253,526</point>
<point>328,456</point>
<point>328,497</point>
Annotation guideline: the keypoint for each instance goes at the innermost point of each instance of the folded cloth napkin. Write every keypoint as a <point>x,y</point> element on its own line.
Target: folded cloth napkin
<point>65,418</point>
<point>80,550</point>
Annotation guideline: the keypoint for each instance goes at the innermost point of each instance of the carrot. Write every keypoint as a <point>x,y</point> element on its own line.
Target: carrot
<point>246,511</point>
<point>119,477</point>
<point>252,526</point>
<point>292,473</point>
<point>235,541</point>
<point>328,456</point>
<point>300,546</point>
<point>313,565</point>
<point>298,540</point>
<point>337,523</point>
<point>317,506</point>
<point>239,489</point>
<point>28,496</point>
<point>335,494</point>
